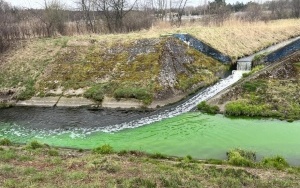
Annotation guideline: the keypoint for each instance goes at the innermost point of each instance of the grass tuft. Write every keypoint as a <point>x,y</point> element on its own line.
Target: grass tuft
<point>104,149</point>
<point>5,142</point>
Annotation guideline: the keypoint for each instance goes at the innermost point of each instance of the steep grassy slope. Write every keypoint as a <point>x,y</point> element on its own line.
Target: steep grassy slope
<point>144,69</point>
<point>135,65</point>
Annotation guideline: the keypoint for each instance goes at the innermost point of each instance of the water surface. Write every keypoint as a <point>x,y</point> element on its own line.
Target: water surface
<point>199,135</point>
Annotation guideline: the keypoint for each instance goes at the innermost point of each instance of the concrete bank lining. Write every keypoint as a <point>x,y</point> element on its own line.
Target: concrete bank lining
<point>40,102</point>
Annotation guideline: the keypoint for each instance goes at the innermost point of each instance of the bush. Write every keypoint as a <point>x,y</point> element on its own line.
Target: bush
<point>5,142</point>
<point>277,162</point>
<point>105,149</point>
<point>240,108</point>
<point>239,157</point>
<point>35,145</point>
<point>250,155</point>
<point>28,92</point>
<point>205,108</point>
<point>134,92</point>
<point>95,93</point>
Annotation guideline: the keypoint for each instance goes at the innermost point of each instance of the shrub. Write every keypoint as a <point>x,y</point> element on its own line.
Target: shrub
<point>95,93</point>
<point>239,157</point>
<point>35,145</point>
<point>142,94</point>
<point>28,92</point>
<point>277,162</point>
<point>105,149</point>
<point>5,142</point>
<point>241,107</point>
<point>205,108</point>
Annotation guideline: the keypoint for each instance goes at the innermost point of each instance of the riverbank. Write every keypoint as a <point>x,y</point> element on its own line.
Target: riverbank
<point>144,67</point>
<point>38,165</point>
<point>271,92</point>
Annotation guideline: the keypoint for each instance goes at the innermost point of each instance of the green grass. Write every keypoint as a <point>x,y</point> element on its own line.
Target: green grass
<point>205,108</point>
<point>142,94</point>
<point>104,149</point>
<point>276,162</point>
<point>5,142</point>
<point>28,91</point>
<point>240,157</point>
<point>34,145</point>
<point>88,169</point>
<point>98,91</point>
<point>254,70</point>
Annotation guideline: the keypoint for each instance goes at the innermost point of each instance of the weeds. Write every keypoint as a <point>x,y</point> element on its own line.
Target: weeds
<point>105,149</point>
<point>276,162</point>
<point>34,145</point>
<point>5,142</point>
<point>240,157</point>
<point>134,92</point>
<point>29,90</point>
<point>53,152</point>
<point>7,155</point>
<point>206,108</point>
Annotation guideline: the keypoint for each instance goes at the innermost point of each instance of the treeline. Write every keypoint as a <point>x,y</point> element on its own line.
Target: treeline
<point>119,16</point>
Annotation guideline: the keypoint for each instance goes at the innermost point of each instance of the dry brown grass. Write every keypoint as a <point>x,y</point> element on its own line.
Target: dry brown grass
<point>235,38</point>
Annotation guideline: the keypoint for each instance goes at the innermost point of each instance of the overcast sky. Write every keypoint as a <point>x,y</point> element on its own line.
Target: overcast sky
<point>70,3</point>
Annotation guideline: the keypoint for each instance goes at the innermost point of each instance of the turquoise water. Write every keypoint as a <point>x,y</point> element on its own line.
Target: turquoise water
<point>201,136</point>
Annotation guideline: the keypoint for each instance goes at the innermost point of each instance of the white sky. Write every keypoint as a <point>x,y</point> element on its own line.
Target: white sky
<point>70,3</point>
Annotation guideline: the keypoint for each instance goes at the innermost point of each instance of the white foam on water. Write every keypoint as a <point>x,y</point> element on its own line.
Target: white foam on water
<point>169,113</point>
<point>182,108</point>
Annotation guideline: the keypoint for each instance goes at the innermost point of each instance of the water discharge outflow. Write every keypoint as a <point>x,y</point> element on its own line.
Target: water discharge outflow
<point>182,108</point>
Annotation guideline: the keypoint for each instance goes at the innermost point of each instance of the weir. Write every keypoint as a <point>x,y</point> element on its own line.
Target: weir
<point>244,65</point>
<point>181,108</point>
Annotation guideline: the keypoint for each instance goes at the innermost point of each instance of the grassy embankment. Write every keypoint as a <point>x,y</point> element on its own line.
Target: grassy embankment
<point>58,66</point>
<point>38,165</point>
<point>274,93</point>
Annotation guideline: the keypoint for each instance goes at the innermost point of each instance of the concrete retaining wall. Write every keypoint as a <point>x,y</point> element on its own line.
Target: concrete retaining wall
<point>202,47</point>
<point>283,52</point>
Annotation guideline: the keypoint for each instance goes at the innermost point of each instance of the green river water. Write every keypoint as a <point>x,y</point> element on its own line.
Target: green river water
<point>199,135</point>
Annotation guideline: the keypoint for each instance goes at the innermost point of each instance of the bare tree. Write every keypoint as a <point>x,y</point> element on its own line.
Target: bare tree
<point>114,12</point>
<point>52,17</point>
<point>87,7</point>
<point>253,11</point>
<point>296,8</point>
<point>219,11</point>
